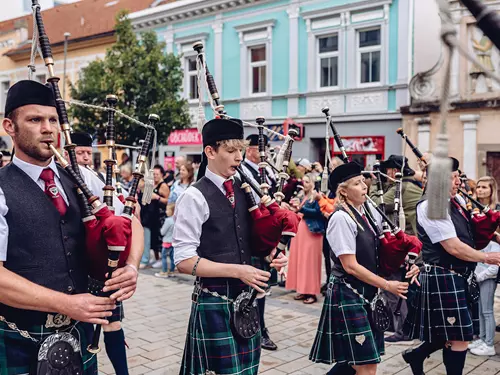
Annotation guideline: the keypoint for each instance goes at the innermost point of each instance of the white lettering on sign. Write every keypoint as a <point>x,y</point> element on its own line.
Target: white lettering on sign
<point>185,137</point>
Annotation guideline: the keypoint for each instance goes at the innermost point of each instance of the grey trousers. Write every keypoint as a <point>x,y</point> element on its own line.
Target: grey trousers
<point>486,317</point>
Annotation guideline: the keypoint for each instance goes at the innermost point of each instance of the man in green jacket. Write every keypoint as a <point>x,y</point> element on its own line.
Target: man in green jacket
<point>410,195</point>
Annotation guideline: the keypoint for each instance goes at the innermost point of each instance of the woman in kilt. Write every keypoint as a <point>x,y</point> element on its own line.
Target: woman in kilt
<point>444,312</point>
<point>346,334</point>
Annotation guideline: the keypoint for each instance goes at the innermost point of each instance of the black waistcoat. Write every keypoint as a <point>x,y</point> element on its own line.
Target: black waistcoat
<point>435,253</point>
<point>225,236</point>
<point>42,247</point>
<point>366,255</point>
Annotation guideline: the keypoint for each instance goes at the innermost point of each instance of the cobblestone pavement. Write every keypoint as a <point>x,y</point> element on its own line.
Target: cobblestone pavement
<point>157,316</point>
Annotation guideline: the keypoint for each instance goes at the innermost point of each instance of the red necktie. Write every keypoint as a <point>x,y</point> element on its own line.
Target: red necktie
<point>52,191</point>
<point>228,185</point>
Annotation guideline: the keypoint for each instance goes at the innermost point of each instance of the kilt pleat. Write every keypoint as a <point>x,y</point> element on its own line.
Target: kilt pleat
<point>440,308</point>
<point>18,355</point>
<point>210,342</point>
<point>345,333</point>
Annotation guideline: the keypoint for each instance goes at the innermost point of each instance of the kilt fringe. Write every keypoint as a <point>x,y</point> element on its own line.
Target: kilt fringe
<point>441,307</point>
<point>345,333</point>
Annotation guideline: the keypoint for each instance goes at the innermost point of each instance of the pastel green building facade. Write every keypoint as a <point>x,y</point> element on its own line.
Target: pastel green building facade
<point>290,58</point>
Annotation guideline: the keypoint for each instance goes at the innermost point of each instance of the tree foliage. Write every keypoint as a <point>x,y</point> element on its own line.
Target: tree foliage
<point>144,78</point>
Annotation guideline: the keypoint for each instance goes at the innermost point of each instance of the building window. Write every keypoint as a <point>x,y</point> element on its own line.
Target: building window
<point>328,48</point>
<point>369,52</point>
<point>192,78</point>
<point>4,88</point>
<point>258,67</point>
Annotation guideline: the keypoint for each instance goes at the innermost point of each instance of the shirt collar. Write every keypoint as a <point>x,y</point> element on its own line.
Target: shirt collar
<point>34,171</point>
<point>216,179</point>
<point>252,164</point>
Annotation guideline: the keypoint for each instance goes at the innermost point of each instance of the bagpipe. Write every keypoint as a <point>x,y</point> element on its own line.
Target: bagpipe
<point>272,226</point>
<point>395,245</point>
<point>420,157</point>
<point>108,236</point>
<point>485,222</point>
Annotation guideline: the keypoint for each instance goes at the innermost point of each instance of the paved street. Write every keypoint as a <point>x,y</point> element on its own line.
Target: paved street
<point>157,316</point>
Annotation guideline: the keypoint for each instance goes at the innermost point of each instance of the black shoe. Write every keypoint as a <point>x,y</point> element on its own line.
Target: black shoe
<point>414,359</point>
<point>497,328</point>
<point>341,369</point>
<point>267,343</point>
<point>397,337</point>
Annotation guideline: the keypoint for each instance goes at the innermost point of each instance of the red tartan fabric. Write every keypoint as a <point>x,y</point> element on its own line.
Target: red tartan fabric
<point>270,226</point>
<point>106,230</point>
<point>484,226</point>
<point>393,251</point>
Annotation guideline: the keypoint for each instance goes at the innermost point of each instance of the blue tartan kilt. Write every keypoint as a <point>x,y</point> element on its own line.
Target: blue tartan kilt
<point>18,355</point>
<point>210,342</point>
<point>440,308</point>
<point>345,333</point>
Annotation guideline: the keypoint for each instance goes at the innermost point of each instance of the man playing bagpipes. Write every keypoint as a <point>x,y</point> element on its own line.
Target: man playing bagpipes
<point>114,337</point>
<point>411,190</point>
<point>444,312</point>
<point>44,308</point>
<point>212,240</point>
<point>250,165</point>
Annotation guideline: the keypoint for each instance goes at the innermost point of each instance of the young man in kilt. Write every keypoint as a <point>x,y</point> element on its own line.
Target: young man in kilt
<point>212,241</point>
<point>443,313</point>
<point>346,334</point>
<point>43,275</point>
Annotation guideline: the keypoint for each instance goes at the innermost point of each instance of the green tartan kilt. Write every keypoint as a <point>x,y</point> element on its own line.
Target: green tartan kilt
<point>345,334</point>
<point>18,355</point>
<point>260,263</point>
<point>210,342</point>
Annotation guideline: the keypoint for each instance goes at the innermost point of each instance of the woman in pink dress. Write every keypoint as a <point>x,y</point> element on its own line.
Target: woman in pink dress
<point>306,249</point>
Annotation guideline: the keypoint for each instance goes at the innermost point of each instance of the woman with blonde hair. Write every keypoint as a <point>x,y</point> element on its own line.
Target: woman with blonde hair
<point>346,334</point>
<point>486,193</point>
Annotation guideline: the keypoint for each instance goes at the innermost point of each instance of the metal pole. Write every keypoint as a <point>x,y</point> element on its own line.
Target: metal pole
<point>66,36</point>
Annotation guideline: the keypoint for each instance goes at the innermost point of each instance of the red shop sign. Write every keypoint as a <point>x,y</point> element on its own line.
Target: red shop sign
<point>361,145</point>
<point>185,137</point>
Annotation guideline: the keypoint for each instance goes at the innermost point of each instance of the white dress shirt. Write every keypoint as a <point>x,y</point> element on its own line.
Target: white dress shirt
<point>437,230</point>
<point>191,212</point>
<point>33,171</point>
<point>342,231</point>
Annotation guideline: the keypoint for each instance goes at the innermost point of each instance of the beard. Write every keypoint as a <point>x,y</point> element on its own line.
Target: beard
<point>32,148</point>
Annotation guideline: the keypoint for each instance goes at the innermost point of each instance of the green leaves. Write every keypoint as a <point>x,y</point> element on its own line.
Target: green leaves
<point>142,76</point>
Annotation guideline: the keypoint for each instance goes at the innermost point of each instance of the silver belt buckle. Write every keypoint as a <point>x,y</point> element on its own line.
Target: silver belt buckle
<point>57,321</point>
<point>427,268</point>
